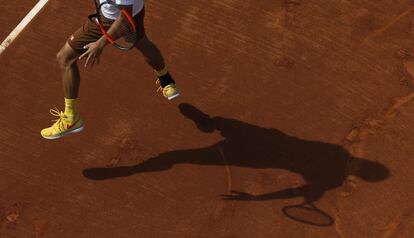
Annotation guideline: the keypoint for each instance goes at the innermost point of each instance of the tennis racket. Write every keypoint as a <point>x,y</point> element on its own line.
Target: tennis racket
<point>125,35</point>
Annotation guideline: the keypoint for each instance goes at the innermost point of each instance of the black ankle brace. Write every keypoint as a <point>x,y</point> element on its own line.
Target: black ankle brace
<point>166,79</point>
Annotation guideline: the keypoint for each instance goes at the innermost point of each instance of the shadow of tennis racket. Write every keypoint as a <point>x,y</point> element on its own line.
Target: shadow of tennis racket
<point>305,212</point>
<point>309,214</point>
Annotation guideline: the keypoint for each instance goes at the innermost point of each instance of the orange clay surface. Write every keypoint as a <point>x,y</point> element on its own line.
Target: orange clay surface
<point>283,103</point>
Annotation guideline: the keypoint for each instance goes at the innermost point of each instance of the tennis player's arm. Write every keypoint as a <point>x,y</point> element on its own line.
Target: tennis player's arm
<point>115,30</point>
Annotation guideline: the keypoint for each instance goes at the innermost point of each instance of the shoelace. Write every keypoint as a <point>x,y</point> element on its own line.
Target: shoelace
<point>161,88</point>
<point>157,82</point>
<point>57,113</point>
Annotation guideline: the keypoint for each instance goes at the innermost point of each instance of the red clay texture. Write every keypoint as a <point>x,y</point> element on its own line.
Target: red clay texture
<point>296,120</point>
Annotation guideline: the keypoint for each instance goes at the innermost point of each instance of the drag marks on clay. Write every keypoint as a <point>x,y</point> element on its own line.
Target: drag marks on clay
<point>284,62</point>
<point>381,30</point>
<point>217,32</point>
<point>128,149</point>
<point>407,58</point>
<point>211,28</point>
<point>116,150</point>
<point>336,38</point>
<point>3,218</point>
<point>406,54</point>
<point>13,213</point>
<point>338,225</point>
<point>228,173</point>
<point>117,146</point>
<point>277,20</point>
<point>354,141</point>
<point>190,26</point>
<point>392,227</point>
<point>362,22</point>
<point>293,2</point>
<point>207,32</point>
<point>40,227</point>
<point>411,27</point>
<point>11,217</point>
<point>218,219</point>
<point>408,81</point>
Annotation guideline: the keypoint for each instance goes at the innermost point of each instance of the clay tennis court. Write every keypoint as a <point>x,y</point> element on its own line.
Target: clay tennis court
<point>296,120</point>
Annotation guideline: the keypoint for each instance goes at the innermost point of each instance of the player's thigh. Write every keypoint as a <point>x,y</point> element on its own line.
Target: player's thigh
<point>84,35</point>
<point>67,55</point>
<point>139,22</point>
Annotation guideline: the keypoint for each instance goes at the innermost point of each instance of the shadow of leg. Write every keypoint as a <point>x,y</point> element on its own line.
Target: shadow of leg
<point>152,164</point>
<point>202,120</point>
<point>165,161</point>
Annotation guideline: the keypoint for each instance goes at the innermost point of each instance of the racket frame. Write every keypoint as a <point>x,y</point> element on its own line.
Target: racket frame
<point>96,18</point>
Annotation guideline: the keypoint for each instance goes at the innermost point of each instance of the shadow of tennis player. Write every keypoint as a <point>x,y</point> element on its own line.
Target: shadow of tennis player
<point>322,165</point>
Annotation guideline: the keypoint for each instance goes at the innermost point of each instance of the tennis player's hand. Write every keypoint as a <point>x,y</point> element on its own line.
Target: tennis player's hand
<point>93,52</point>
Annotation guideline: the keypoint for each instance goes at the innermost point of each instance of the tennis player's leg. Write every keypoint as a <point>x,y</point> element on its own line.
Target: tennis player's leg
<point>154,59</point>
<point>151,53</point>
<point>67,58</point>
<point>70,121</point>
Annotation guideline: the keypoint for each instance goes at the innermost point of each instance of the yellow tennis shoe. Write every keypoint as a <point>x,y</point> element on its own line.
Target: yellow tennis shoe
<point>170,91</point>
<point>63,126</point>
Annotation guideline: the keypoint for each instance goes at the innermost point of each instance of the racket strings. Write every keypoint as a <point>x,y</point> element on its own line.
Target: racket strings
<point>127,34</point>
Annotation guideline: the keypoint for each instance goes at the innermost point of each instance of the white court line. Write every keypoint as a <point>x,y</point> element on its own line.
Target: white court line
<point>10,38</point>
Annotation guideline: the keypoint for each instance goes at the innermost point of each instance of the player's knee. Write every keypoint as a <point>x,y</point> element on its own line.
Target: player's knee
<point>63,59</point>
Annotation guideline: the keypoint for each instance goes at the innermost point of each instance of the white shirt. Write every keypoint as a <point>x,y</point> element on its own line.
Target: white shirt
<point>113,13</point>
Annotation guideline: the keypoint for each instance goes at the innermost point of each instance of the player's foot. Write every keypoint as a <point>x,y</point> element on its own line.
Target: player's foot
<point>63,126</point>
<point>170,91</point>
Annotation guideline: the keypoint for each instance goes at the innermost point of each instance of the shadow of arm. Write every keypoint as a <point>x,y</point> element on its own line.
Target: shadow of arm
<point>282,194</point>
